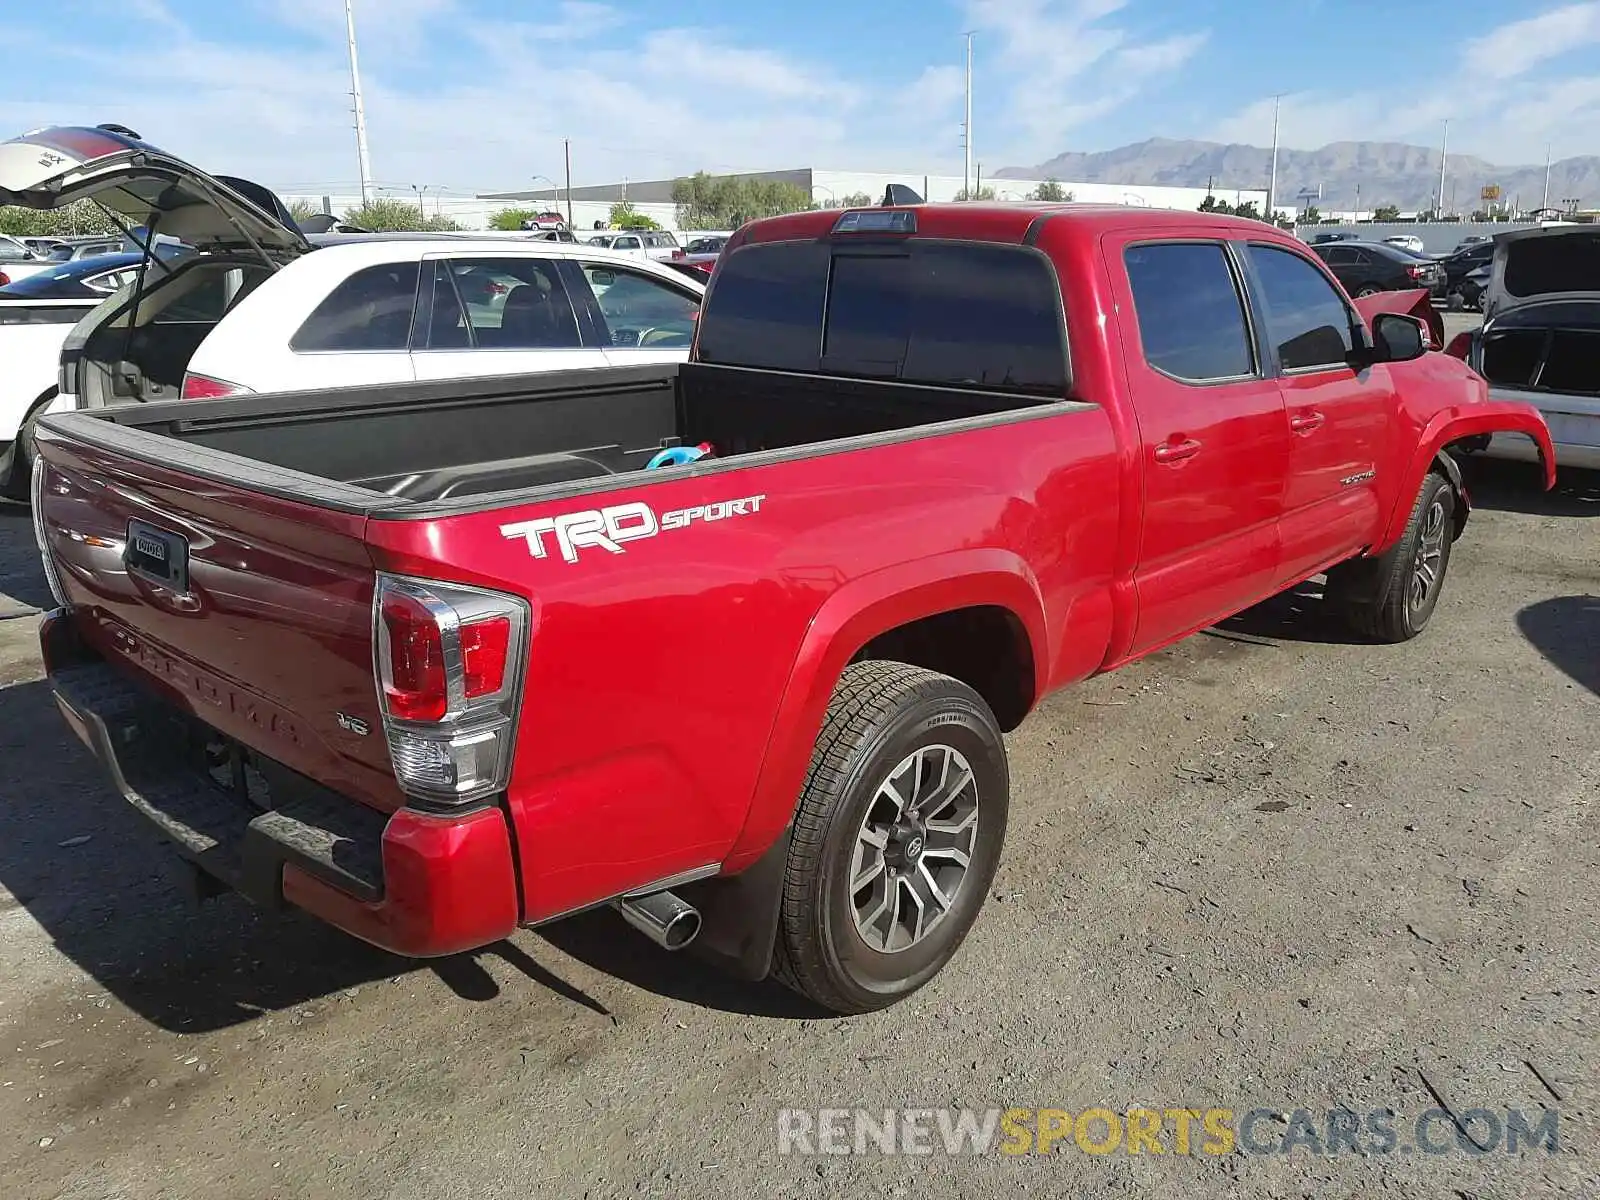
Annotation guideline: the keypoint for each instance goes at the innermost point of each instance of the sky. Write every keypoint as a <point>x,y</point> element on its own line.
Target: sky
<point>464,96</point>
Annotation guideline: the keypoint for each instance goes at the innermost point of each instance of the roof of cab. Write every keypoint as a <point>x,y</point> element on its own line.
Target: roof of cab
<point>1005,222</point>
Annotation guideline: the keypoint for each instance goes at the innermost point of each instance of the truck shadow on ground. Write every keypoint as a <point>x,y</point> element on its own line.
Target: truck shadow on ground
<point>1297,615</point>
<point>601,940</point>
<point>1566,630</point>
<point>1505,486</point>
<point>115,901</point>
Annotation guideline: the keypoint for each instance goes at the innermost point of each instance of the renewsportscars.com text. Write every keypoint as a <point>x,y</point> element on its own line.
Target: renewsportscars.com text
<point>1182,1131</point>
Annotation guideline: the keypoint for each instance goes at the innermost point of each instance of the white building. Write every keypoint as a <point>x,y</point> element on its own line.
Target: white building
<point>653,197</point>
<point>591,205</point>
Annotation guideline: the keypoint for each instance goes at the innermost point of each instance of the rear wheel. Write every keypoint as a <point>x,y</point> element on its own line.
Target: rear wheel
<point>19,478</point>
<point>896,838</point>
<point>1370,289</point>
<point>1392,597</point>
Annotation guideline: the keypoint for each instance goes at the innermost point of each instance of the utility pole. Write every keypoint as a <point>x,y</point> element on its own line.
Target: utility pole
<point>361,111</point>
<point>1444,157</point>
<point>1272,182</point>
<point>966,136</point>
<point>1546,203</point>
<point>566,146</point>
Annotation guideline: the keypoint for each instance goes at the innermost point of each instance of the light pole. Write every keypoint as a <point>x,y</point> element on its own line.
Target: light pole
<point>363,161</point>
<point>966,128</point>
<point>555,190</point>
<point>1444,157</point>
<point>1272,180</point>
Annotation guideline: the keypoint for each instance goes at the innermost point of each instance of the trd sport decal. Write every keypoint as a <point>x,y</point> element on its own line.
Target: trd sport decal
<point>608,528</point>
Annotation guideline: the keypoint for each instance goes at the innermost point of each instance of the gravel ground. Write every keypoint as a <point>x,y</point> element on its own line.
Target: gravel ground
<point>1270,867</point>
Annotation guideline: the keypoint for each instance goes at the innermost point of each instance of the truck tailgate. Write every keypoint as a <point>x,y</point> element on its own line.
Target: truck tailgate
<point>251,612</point>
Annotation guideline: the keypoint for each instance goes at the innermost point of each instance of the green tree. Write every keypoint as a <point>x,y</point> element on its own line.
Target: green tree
<point>1051,192</point>
<point>1386,212</point>
<point>303,210</point>
<point>625,216</point>
<point>386,215</point>
<point>851,200</point>
<point>509,220</point>
<point>982,193</point>
<point>82,217</point>
<point>1310,216</point>
<point>1212,205</point>
<point>726,202</point>
<point>1247,209</point>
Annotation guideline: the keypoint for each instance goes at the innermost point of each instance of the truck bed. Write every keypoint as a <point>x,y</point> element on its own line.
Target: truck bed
<point>447,446</point>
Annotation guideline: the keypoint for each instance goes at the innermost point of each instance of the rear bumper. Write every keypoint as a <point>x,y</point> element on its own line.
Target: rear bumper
<point>412,883</point>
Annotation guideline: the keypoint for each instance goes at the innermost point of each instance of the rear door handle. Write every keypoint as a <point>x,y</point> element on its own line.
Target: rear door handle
<point>1171,452</point>
<point>1306,422</point>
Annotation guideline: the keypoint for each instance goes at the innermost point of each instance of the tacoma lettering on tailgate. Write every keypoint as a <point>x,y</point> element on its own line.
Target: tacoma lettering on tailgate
<point>608,528</point>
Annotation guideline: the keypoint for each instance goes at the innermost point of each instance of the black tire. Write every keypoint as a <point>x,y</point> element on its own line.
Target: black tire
<point>18,482</point>
<point>1370,289</point>
<point>1385,598</point>
<point>882,713</point>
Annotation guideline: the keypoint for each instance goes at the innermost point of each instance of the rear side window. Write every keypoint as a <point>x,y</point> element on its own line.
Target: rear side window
<point>1306,317</point>
<point>371,310</point>
<point>1191,317</point>
<point>950,313</point>
<point>1563,262</point>
<point>765,308</point>
<point>510,304</point>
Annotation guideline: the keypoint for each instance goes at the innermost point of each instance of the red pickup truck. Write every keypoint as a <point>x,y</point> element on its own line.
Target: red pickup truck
<point>731,645</point>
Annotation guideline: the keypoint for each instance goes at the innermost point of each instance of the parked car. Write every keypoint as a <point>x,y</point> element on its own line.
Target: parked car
<point>1540,339</point>
<point>1459,266</point>
<point>92,278</point>
<point>1472,286</point>
<point>731,644</point>
<point>257,311</point>
<point>656,244</point>
<point>1321,239</point>
<point>698,257</point>
<point>1406,241</point>
<point>37,314</point>
<point>1366,268</point>
<point>1472,239</point>
<point>18,261</point>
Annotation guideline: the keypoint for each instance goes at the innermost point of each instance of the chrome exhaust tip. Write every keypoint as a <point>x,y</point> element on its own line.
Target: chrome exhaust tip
<point>666,920</point>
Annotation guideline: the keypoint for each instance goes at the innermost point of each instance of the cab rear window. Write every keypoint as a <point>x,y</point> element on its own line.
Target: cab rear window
<point>962,314</point>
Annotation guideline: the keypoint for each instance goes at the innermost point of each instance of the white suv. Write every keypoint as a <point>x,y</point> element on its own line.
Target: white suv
<point>258,308</point>
<point>389,309</point>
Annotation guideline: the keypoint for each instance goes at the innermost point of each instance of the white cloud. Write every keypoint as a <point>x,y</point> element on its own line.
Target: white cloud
<point>1508,119</point>
<point>1516,48</point>
<point>676,55</point>
<point>1067,65</point>
<point>1159,58</point>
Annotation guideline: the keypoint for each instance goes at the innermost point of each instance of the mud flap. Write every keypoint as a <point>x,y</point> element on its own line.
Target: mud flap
<point>739,914</point>
<point>1452,471</point>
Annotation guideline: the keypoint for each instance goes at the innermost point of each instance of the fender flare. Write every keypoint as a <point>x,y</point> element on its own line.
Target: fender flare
<point>1452,425</point>
<point>850,618</point>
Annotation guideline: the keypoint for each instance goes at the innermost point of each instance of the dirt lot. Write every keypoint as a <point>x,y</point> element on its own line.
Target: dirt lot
<point>1269,868</point>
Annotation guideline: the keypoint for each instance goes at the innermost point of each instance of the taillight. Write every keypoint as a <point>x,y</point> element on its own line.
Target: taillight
<point>204,387</point>
<point>678,253</point>
<point>4,279</point>
<point>1460,346</point>
<point>448,662</point>
<point>414,688</point>
<point>1416,272</point>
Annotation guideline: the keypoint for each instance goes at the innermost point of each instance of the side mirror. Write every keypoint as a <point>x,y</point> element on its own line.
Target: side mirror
<point>602,278</point>
<point>1398,338</point>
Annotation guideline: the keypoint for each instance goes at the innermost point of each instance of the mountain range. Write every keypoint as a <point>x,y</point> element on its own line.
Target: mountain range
<point>1351,175</point>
